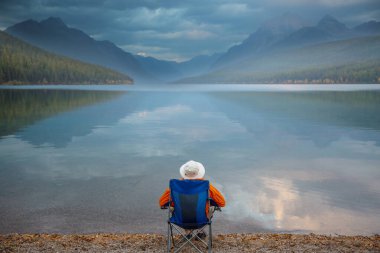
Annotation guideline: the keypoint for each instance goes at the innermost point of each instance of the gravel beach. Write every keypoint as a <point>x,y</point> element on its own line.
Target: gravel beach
<point>156,243</point>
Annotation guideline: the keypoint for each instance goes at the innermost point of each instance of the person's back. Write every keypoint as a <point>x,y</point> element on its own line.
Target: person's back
<point>195,171</point>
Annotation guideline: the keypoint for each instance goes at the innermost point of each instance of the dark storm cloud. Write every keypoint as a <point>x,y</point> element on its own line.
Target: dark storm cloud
<point>173,29</point>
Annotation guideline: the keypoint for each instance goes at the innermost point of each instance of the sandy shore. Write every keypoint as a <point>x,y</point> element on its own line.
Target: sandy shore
<point>156,243</point>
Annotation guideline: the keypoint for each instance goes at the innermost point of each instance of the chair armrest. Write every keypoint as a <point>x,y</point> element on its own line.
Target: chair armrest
<point>213,203</point>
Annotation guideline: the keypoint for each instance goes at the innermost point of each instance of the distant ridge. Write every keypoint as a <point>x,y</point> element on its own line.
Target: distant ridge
<point>371,27</point>
<point>168,71</point>
<point>52,34</point>
<point>263,39</point>
<point>327,29</point>
<point>163,70</point>
<point>332,26</point>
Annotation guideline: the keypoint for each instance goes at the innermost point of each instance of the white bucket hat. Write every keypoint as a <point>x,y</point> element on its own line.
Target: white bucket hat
<point>192,170</point>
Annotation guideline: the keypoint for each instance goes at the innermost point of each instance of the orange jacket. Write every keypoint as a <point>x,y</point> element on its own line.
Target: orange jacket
<point>215,195</point>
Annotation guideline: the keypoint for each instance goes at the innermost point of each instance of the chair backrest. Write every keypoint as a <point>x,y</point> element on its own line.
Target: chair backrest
<point>190,199</point>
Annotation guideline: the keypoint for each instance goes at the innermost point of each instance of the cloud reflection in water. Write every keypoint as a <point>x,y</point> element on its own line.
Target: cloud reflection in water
<point>279,167</point>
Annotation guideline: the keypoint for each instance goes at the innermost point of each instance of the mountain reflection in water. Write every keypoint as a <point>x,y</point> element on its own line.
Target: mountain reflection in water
<point>86,161</point>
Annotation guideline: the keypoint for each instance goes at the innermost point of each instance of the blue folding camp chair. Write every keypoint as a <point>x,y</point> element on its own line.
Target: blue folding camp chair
<point>188,219</point>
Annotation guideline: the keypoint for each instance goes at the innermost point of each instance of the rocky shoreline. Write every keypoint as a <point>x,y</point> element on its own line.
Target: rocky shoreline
<point>156,243</point>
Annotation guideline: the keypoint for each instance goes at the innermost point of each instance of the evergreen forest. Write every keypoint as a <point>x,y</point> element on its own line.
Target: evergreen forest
<point>21,63</point>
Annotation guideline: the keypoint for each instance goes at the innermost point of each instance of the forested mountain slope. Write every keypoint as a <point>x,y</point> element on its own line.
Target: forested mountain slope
<point>21,63</point>
<point>55,36</point>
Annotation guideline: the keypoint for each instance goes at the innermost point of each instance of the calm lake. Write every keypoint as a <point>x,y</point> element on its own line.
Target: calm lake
<point>81,160</point>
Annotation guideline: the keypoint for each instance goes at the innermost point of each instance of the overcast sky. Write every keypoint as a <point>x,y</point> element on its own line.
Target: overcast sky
<point>180,29</point>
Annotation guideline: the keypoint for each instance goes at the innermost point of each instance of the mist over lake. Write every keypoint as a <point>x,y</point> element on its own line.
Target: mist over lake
<point>81,160</point>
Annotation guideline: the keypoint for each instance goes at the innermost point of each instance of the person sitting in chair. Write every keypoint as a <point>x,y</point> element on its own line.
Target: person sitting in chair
<point>195,171</point>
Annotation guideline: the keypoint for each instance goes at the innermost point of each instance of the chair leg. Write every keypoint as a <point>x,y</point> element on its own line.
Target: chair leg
<point>209,239</point>
<point>185,240</point>
<point>169,238</point>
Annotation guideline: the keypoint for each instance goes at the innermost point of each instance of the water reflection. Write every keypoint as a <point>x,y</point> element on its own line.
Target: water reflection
<point>336,110</point>
<point>21,108</point>
<point>320,171</point>
<point>285,161</point>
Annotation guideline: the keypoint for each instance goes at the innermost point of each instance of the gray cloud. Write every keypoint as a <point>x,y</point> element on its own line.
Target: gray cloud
<point>179,30</point>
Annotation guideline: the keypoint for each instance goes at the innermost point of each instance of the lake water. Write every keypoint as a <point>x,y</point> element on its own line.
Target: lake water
<point>76,160</point>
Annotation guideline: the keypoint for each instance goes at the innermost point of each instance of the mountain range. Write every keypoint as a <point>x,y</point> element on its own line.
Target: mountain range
<point>285,50</point>
<point>282,46</point>
<point>54,35</point>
